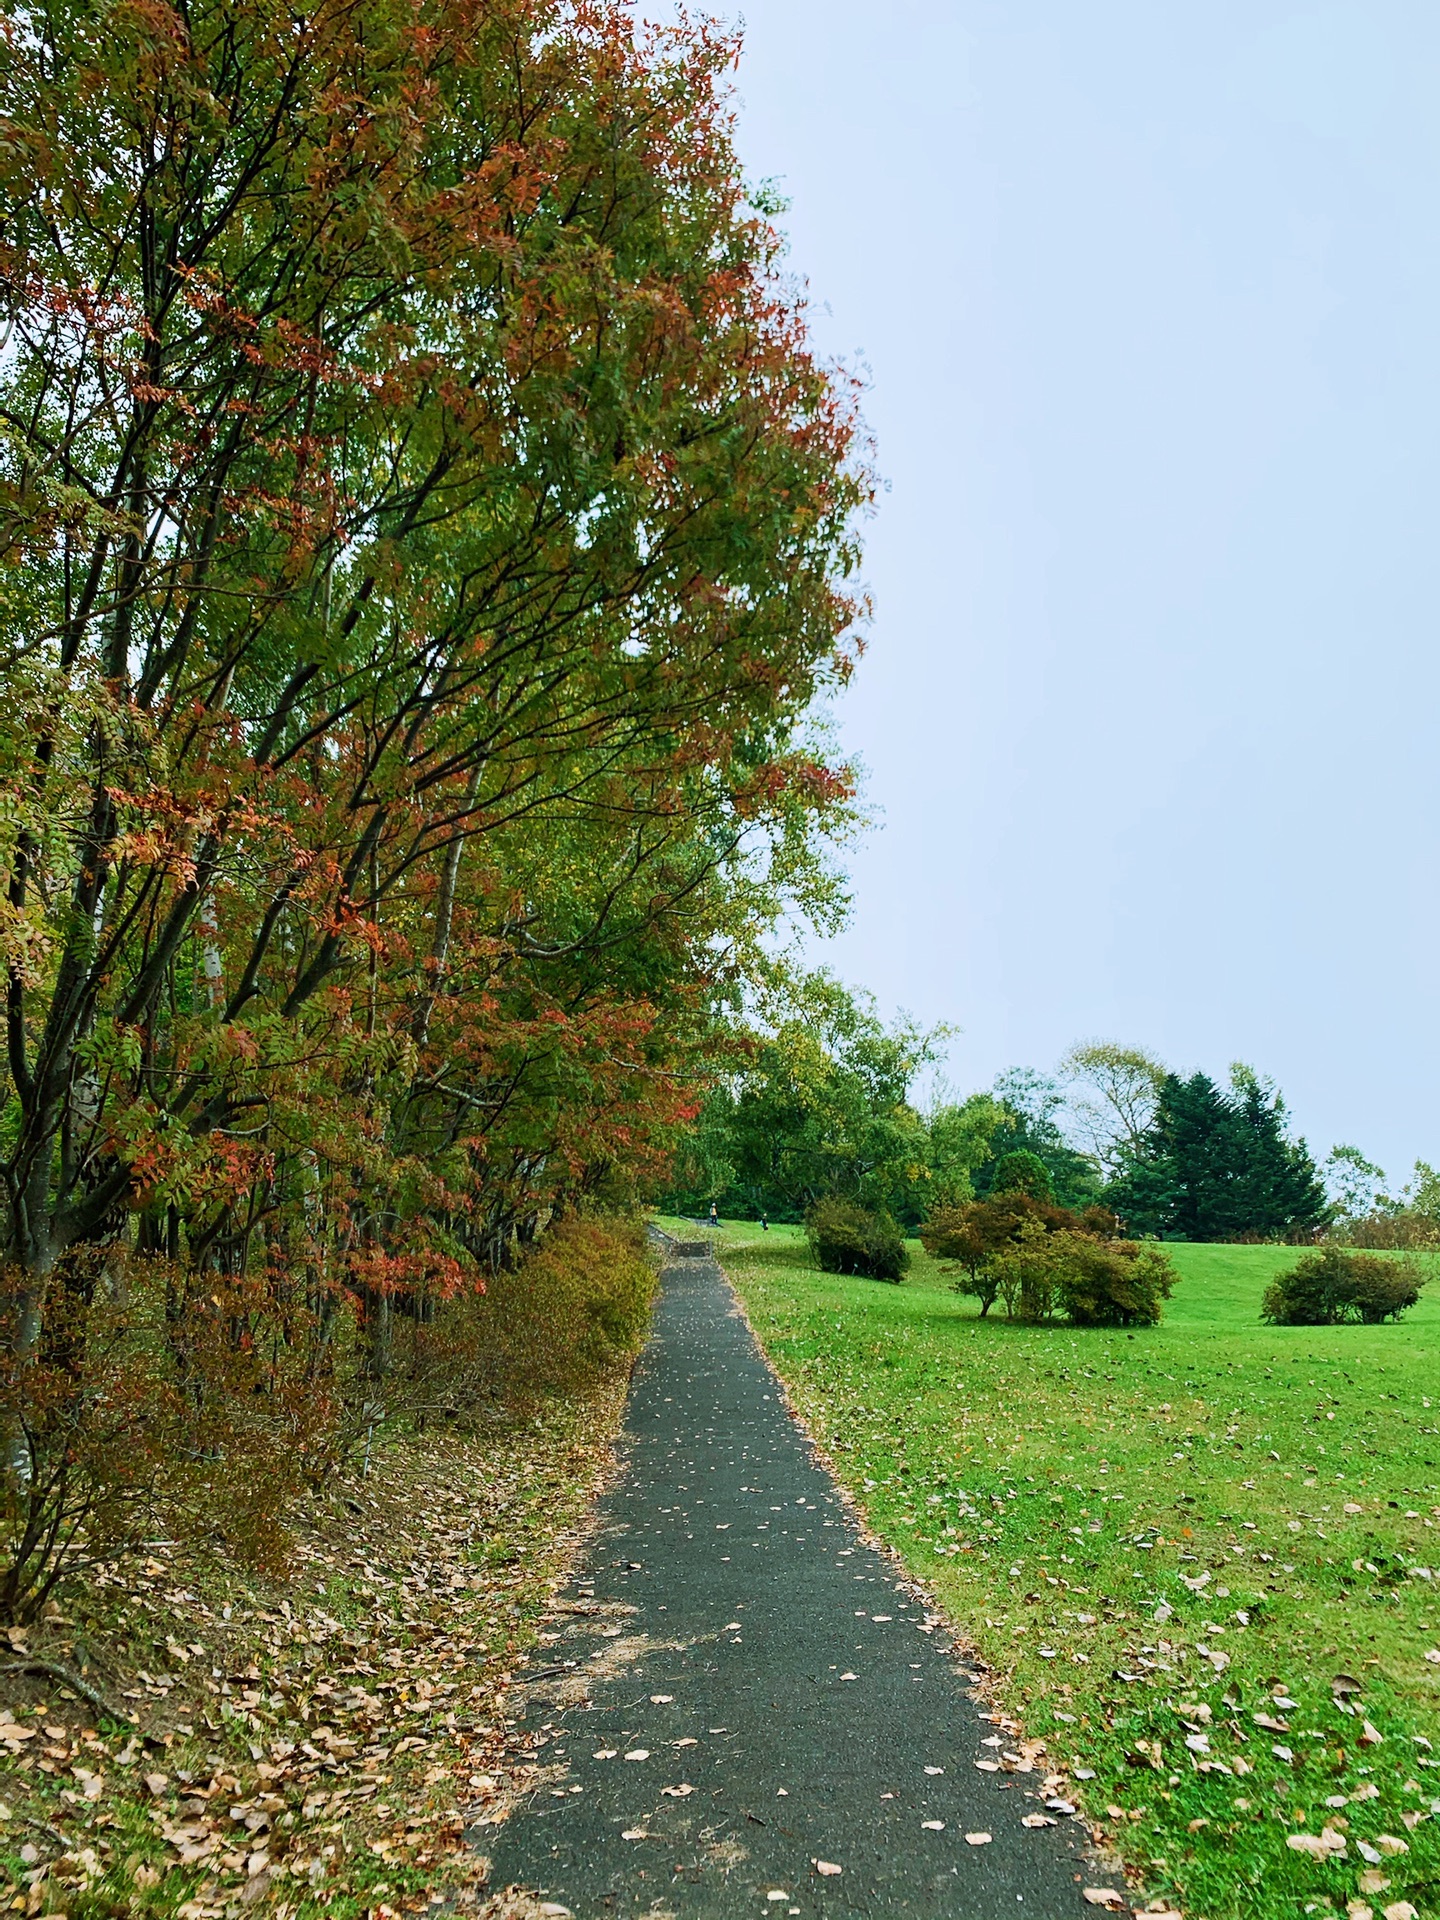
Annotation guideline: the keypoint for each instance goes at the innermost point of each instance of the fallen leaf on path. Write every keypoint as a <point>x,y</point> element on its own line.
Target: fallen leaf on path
<point>635,1833</point>
<point>1038,1820</point>
<point>638,1753</point>
<point>1105,1897</point>
<point>977,1839</point>
<point>661,1699</point>
<point>678,1793</point>
<point>827,1867</point>
<point>933,1826</point>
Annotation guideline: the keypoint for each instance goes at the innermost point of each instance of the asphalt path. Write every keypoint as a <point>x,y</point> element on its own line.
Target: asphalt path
<point>745,1711</point>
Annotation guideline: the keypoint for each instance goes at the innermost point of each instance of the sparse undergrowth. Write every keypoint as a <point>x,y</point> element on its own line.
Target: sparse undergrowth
<point>310,1745</point>
<point>1193,1557</point>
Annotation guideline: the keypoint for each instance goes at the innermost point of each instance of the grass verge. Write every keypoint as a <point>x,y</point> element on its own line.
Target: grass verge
<point>1195,1558</point>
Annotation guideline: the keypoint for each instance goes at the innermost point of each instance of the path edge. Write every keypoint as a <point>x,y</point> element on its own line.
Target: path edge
<point>982,1680</point>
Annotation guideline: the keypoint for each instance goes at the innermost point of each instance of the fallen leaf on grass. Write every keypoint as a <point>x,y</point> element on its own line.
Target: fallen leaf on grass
<point>1373,1882</point>
<point>1327,1845</point>
<point>1391,1843</point>
<point>635,1833</point>
<point>1400,1910</point>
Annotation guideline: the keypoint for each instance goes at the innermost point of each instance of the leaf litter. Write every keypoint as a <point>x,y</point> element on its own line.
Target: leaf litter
<point>320,1742</point>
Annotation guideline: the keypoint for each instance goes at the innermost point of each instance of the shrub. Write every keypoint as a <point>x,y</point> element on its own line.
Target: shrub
<point>1040,1260</point>
<point>1407,1228</point>
<point>845,1238</point>
<point>168,1399</point>
<point>1023,1273</point>
<point>1333,1284</point>
<point>576,1305</point>
<point>1111,1283</point>
<point>160,1399</point>
<point>1022,1172</point>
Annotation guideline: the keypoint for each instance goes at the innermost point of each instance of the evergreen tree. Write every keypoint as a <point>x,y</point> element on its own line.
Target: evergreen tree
<point>1218,1166</point>
<point>1281,1189</point>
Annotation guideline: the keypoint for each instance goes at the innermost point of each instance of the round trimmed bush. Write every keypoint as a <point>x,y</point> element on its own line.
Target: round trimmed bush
<point>845,1238</point>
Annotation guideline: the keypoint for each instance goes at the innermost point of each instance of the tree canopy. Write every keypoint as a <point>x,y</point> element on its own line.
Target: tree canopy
<point>424,527</point>
<point>1218,1165</point>
<point>817,1106</point>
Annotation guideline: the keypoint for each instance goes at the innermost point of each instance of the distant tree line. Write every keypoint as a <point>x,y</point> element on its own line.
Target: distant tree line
<point>822,1106</point>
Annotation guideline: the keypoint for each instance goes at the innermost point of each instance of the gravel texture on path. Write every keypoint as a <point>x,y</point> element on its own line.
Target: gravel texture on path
<point>744,1712</point>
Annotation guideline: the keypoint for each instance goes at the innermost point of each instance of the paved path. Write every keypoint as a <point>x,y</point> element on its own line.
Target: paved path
<point>745,1689</point>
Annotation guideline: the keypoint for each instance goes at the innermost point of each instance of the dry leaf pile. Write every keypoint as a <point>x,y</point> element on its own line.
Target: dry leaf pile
<point>313,1744</point>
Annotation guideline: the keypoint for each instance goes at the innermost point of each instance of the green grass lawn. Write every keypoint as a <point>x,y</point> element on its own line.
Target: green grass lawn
<point>1149,1538</point>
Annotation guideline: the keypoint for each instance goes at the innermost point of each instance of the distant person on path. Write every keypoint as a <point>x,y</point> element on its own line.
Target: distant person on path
<point>714,1216</point>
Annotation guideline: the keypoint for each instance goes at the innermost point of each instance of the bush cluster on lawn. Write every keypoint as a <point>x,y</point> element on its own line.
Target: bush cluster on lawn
<point>845,1238</point>
<point>1040,1260</point>
<point>1332,1284</point>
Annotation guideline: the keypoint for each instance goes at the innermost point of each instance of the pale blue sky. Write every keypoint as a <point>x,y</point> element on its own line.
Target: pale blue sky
<point>1148,293</point>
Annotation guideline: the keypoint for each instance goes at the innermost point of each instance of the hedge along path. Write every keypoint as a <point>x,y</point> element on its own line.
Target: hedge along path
<point>743,1708</point>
